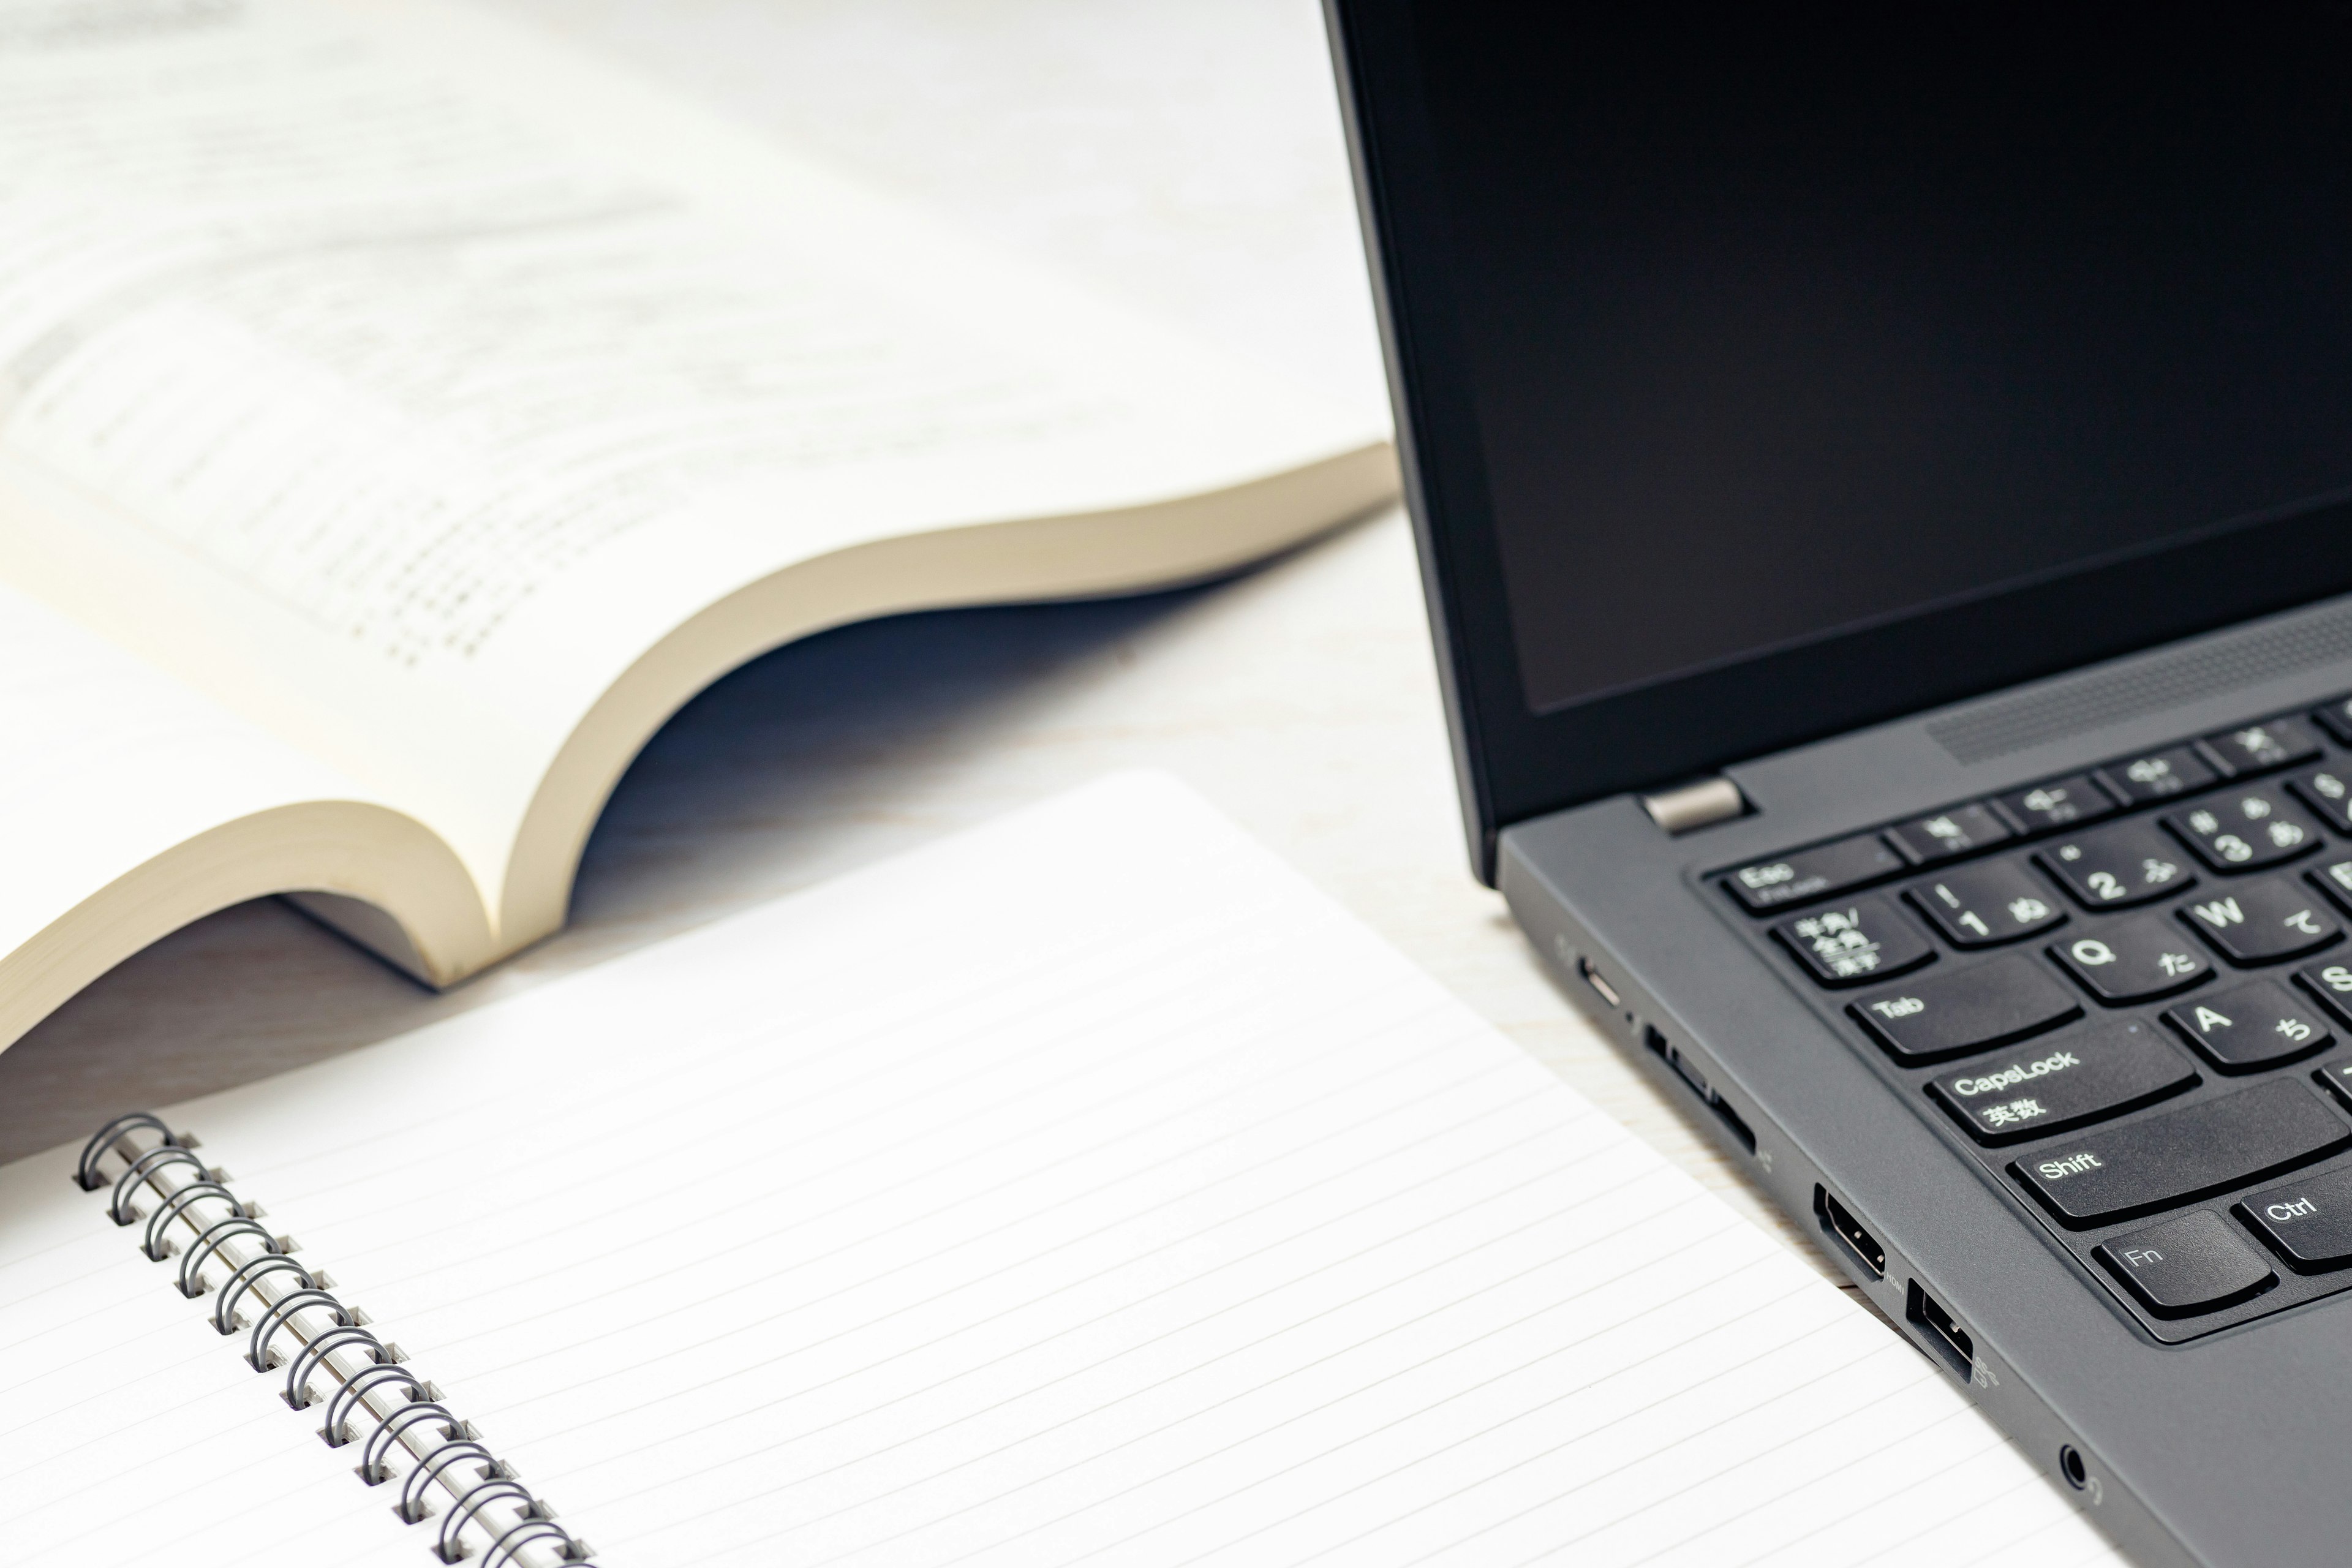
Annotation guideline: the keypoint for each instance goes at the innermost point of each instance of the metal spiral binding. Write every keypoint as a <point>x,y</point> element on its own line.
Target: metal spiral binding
<point>405,1432</point>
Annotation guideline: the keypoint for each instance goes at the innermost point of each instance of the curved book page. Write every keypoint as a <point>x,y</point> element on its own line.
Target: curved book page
<point>133,805</point>
<point>452,406</point>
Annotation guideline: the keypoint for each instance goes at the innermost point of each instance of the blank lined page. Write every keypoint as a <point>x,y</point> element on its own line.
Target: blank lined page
<point>1086,1187</point>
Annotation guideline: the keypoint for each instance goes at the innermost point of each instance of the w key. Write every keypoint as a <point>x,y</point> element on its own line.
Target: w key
<point>2263,922</point>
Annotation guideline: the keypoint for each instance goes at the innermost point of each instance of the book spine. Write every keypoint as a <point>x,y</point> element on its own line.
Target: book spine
<point>293,1322</point>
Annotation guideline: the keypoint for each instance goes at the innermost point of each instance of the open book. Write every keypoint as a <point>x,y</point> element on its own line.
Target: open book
<point>1133,1206</point>
<point>400,417</point>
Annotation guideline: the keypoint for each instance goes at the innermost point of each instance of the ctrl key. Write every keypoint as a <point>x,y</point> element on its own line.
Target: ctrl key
<point>2308,1223</point>
<point>2187,1266</point>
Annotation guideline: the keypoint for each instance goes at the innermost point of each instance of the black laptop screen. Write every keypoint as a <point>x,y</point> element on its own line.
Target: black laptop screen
<point>1782,322</point>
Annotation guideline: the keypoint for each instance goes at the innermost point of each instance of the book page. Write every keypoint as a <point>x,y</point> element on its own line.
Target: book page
<point>416,377</point>
<point>1084,1188</point>
<point>135,804</point>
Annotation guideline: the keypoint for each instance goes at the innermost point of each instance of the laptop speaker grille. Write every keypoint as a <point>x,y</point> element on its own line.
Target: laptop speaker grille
<point>2101,697</point>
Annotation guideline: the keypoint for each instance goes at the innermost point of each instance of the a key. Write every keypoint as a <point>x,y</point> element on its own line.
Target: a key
<point>1814,873</point>
<point>2336,718</point>
<point>2114,867</point>
<point>2182,1155</point>
<point>2263,922</point>
<point>1856,942</point>
<point>2246,829</point>
<point>2061,802</point>
<point>2258,748</point>
<point>2133,959</point>
<point>1949,833</point>
<point>1983,906</point>
<point>2248,1027</point>
<point>2193,1264</point>
<point>2160,775</point>
<point>2307,1222</point>
<point>2328,793</point>
<point>2083,1076</point>
<point>1962,1010</point>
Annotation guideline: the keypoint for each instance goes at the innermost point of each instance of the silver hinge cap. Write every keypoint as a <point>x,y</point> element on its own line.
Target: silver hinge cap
<point>1695,805</point>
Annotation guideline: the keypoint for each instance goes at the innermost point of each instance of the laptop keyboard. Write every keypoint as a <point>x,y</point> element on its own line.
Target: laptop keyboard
<point>2128,993</point>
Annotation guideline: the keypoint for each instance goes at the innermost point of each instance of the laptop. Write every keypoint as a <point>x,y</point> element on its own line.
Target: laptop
<point>1883,478</point>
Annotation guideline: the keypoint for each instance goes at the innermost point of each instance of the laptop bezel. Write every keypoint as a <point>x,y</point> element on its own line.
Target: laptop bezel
<point>1513,763</point>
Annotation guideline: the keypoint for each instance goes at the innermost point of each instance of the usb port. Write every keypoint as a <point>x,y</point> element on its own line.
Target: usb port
<point>1846,1229</point>
<point>1592,978</point>
<point>1945,1337</point>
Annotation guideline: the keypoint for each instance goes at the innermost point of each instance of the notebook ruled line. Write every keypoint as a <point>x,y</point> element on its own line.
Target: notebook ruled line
<point>1186,1372</point>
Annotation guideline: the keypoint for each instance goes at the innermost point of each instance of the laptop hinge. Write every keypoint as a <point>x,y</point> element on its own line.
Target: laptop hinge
<point>1695,805</point>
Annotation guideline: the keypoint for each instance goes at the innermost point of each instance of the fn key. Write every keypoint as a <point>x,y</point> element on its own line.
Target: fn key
<point>2186,1265</point>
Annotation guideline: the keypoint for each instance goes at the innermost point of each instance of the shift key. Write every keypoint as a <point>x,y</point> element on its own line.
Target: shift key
<point>2182,1155</point>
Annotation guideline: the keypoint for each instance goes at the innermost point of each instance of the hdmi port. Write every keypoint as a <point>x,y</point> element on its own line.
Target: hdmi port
<point>1846,1229</point>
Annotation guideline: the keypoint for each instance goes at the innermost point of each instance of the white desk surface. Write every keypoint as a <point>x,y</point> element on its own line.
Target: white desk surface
<point>1185,153</point>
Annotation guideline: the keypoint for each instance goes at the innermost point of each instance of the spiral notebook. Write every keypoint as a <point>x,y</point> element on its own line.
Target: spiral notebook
<point>1084,1188</point>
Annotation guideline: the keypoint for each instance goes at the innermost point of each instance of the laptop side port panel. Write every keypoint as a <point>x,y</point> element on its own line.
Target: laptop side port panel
<point>1625,1019</point>
<point>1862,1249</point>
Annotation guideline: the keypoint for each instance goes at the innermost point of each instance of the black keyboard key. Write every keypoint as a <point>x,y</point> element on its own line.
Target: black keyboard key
<point>2182,1155</point>
<point>2258,748</point>
<point>1984,906</point>
<point>2052,1085</point>
<point>2263,922</point>
<point>2332,984</point>
<point>2308,1223</point>
<point>2160,775</point>
<point>1814,873</point>
<point>2194,1264</point>
<point>2246,829</point>
<point>2337,1078</point>
<point>1949,833</point>
<point>2133,959</point>
<point>2336,718</point>
<point>2335,879</point>
<point>2061,802</point>
<point>2328,793</point>
<point>2248,1027</point>
<point>1965,1010</point>
<point>1864,940</point>
<point>2117,866</point>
